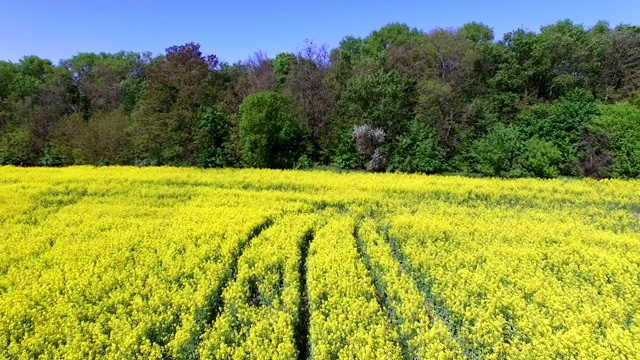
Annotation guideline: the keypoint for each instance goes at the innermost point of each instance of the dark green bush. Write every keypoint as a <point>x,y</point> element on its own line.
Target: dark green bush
<point>416,151</point>
<point>269,131</point>
<point>211,139</point>
<point>347,155</point>
<point>620,125</point>
<point>17,148</point>
<point>562,123</point>
<point>539,159</point>
<point>497,153</point>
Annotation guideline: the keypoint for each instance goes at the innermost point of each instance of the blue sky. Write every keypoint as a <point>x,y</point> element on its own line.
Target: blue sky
<point>234,30</point>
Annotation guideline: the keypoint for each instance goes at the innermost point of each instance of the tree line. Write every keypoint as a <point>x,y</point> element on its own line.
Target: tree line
<point>563,101</point>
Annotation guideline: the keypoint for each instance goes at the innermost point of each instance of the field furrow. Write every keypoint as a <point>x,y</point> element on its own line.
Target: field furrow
<point>514,284</point>
<point>260,316</point>
<point>423,334</point>
<point>166,263</point>
<point>346,319</point>
<point>114,286</point>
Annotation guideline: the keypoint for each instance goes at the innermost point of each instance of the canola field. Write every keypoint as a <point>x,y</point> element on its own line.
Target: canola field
<point>168,263</point>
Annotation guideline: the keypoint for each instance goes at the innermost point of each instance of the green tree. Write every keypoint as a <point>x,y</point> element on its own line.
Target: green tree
<point>344,60</point>
<point>381,99</point>
<point>497,153</point>
<point>179,85</point>
<point>347,155</point>
<point>620,125</point>
<point>269,130</point>
<point>417,151</point>
<point>478,33</point>
<point>540,158</point>
<point>393,34</point>
<point>562,123</point>
<point>212,138</point>
<point>282,66</point>
<point>17,147</point>
<point>308,87</point>
<point>444,87</point>
<point>105,82</point>
<point>625,60</point>
<point>32,73</point>
<point>7,103</point>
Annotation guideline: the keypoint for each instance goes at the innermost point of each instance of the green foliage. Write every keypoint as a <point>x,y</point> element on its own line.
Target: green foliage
<point>66,142</point>
<point>52,156</point>
<point>565,46</point>
<point>108,139</point>
<point>20,81</point>
<point>497,153</point>
<point>477,32</point>
<point>620,124</point>
<point>392,34</point>
<point>304,162</point>
<point>504,152</point>
<point>444,75</point>
<point>282,66</point>
<point>269,131</point>
<point>539,159</point>
<point>102,139</point>
<point>634,99</point>
<point>347,155</point>
<point>166,122</point>
<point>31,74</point>
<point>213,133</point>
<point>416,151</point>
<point>382,100</point>
<point>17,148</point>
<point>344,59</point>
<point>562,123</point>
<point>7,74</point>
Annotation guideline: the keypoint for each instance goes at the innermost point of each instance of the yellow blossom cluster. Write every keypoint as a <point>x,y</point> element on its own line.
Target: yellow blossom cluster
<point>261,315</point>
<point>420,328</point>
<point>526,283</point>
<point>346,321</point>
<point>126,262</point>
<point>115,270</point>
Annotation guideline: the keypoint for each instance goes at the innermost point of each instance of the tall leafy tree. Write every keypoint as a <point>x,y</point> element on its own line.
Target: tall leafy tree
<point>106,82</point>
<point>442,65</point>
<point>270,131</point>
<point>178,86</point>
<point>308,86</point>
<point>626,65</point>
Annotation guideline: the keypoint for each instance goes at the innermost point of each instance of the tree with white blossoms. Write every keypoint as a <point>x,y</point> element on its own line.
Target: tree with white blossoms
<point>368,142</point>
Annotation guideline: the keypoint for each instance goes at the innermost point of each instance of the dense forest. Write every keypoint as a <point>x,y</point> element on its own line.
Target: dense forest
<point>562,101</point>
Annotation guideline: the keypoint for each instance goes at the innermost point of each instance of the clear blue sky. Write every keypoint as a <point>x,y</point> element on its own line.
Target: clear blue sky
<point>234,30</point>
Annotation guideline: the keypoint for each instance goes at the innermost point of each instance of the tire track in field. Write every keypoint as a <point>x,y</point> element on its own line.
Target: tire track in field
<point>434,307</point>
<point>215,304</point>
<point>233,271</point>
<point>304,315</point>
<point>381,294</point>
<point>43,206</point>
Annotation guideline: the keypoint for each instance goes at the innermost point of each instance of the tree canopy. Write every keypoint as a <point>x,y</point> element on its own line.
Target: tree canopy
<point>559,101</point>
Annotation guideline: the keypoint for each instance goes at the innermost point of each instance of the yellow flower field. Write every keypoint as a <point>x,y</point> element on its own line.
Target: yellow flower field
<point>178,263</point>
